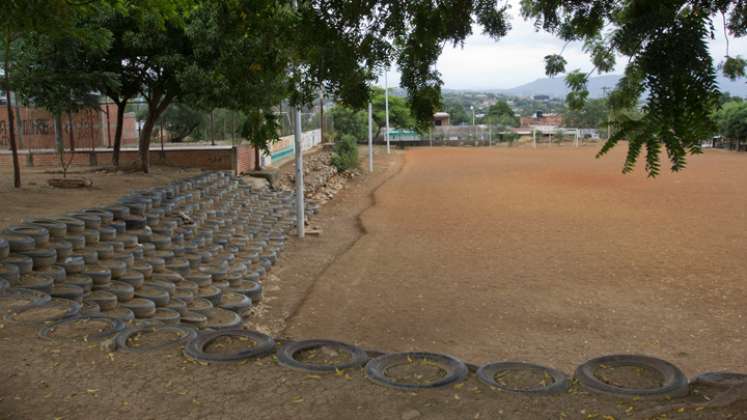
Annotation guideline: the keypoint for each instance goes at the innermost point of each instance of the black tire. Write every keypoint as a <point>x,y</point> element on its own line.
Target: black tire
<point>236,302</point>
<point>19,243</point>
<point>106,300</point>
<point>80,280</point>
<point>133,278</point>
<point>188,334</point>
<point>31,298</point>
<point>486,374</point>
<point>720,379</point>
<point>195,349</point>
<point>115,327</point>
<point>41,257</point>
<point>211,293</point>
<point>286,355</point>
<point>251,289</point>
<point>194,319</point>
<point>675,382</point>
<point>39,234</point>
<point>55,228</point>
<point>74,226</point>
<point>123,291</point>
<point>73,309</point>
<point>73,265</point>
<point>36,281</point>
<point>4,248</point>
<point>68,291</point>
<point>25,264</point>
<point>142,308</point>
<point>230,319</point>
<point>63,248</point>
<point>376,368</point>
<point>4,284</point>
<point>167,316</point>
<point>160,297</point>
<point>99,274</point>
<point>106,216</point>
<point>10,272</point>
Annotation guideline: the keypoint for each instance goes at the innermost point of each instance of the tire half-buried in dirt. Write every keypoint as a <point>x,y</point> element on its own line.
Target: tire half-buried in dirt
<point>183,335</point>
<point>552,382</point>
<point>288,353</point>
<point>674,383</point>
<point>113,326</point>
<point>454,369</point>
<point>196,349</point>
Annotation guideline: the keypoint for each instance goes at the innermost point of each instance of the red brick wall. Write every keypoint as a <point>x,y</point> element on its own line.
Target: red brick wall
<point>554,120</point>
<point>214,158</point>
<point>36,130</point>
<point>245,161</point>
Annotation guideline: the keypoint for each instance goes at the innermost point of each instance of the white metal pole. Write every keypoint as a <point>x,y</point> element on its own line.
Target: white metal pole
<point>370,137</point>
<point>300,218</point>
<point>534,138</point>
<point>386,106</point>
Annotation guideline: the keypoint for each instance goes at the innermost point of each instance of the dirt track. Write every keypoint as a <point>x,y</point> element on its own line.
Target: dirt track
<point>545,255</point>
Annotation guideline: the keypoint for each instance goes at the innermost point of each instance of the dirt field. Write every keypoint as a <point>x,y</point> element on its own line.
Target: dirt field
<point>548,256</point>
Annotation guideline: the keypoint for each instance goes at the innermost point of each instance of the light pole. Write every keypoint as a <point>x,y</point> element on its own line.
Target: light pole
<point>370,137</point>
<point>386,106</point>
<point>474,129</point>
<point>300,218</point>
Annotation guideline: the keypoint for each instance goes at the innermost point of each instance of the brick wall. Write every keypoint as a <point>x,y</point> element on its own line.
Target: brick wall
<point>36,130</point>
<point>244,156</point>
<point>216,158</point>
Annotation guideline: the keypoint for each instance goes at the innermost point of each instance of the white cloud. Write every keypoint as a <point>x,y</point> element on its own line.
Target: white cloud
<point>518,58</point>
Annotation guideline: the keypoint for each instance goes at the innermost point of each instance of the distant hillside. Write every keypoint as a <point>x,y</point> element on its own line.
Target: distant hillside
<point>556,87</point>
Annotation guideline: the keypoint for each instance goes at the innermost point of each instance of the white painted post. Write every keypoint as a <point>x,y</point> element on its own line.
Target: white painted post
<point>370,137</point>
<point>300,219</point>
<point>386,106</point>
<point>534,138</point>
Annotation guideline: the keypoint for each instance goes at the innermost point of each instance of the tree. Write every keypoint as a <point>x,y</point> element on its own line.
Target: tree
<point>260,129</point>
<point>350,122</point>
<point>181,121</point>
<point>399,113</point>
<point>594,114</point>
<point>50,17</point>
<point>666,49</point>
<point>502,114</point>
<point>732,122</point>
<point>51,72</point>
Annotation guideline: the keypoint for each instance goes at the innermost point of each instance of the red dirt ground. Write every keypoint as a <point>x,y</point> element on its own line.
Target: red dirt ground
<point>545,255</point>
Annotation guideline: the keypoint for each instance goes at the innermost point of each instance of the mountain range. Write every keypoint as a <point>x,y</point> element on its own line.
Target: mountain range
<point>556,87</point>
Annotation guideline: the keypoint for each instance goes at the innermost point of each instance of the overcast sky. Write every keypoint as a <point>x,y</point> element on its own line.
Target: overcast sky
<point>518,58</point>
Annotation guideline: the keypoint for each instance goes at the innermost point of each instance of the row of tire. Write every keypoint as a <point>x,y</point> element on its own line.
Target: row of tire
<point>674,383</point>
<point>193,252</point>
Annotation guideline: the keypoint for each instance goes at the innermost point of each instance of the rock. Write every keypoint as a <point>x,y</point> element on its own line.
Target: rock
<point>410,414</point>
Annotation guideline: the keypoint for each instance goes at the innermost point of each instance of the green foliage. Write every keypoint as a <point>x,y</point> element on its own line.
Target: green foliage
<point>577,81</point>
<point>554,64</point>
<point>734,67</point>
<point>350,122</point>
<point>345,157</point>
<point>501,114</point>
<point>594,114</point>
<point>665,44</point>
<point>260,129</point>
<point>181,121</point>
<point>732,120</point>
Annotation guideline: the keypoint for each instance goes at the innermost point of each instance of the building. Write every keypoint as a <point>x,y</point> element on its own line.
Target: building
<point>540,119</point>
<point>441,119</point>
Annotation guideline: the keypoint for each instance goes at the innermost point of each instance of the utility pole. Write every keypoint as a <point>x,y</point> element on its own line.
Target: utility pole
<point>609,112</point>
<point>321,113</point>
<point>300,217</point>
<point>370,137</point>
<point>386,106</point>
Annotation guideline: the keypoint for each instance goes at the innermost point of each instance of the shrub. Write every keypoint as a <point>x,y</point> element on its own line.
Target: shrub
<point>345,155</point>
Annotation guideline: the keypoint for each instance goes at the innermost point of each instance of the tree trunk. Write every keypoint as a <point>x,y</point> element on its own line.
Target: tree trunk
<point>11,123</point>
<point>257,159</point>
<point>156,106</point>
<point>59,142</point>
<point>121,105</point>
